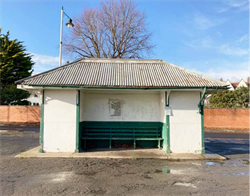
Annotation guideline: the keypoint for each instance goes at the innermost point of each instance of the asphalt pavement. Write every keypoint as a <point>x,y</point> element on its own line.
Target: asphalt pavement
<point>20,127</point>
<point>223,135</point>
<point>140,177</point>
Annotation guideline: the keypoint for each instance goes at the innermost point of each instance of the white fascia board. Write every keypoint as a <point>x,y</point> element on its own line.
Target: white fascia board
<point>27,87</point>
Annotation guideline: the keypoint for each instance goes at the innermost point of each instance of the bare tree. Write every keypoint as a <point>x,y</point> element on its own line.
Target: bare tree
<point>117,29</point>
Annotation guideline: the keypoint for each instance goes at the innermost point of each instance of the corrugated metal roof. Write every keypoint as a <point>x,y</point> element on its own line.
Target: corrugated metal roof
<point>121,73</point>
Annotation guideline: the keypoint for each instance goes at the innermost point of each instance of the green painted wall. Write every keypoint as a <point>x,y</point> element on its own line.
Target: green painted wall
<point>166,128</point>
<point>78,140</point>
<point>201,110</point>
<point>202,130</point>
<point>42,122</point>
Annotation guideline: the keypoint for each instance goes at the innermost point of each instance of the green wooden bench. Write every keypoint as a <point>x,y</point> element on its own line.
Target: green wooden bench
<point>121,131</point>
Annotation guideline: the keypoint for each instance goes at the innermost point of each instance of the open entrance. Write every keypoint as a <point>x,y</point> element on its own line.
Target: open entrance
<point>118,119</point>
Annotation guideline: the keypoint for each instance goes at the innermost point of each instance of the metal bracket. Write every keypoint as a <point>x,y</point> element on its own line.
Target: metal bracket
<point>167,98</point>
<point>201,99</point>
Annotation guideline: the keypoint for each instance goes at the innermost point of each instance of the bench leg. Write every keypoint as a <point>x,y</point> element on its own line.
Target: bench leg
<point>85,144</point>
<point>134,144</point>
<point>110,142</point>
<point>159,144</point>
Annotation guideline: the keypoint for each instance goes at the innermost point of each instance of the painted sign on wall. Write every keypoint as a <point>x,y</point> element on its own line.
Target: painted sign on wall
<point>115,107</point>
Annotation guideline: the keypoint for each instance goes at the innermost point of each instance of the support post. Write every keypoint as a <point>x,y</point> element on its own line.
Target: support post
<point>61,32</point>
<point>201,111</point>
<point>202,130</point>
<point>78,121</point>
<point>168,134</point>
<point>167,124</point>
<point>42,122</point>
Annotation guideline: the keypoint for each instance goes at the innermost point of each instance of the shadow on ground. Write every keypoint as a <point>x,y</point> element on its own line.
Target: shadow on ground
<point>227,147</point>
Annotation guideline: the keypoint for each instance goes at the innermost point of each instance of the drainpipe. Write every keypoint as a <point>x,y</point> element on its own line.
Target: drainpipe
<point>167,94</point>
<point>201,111</point>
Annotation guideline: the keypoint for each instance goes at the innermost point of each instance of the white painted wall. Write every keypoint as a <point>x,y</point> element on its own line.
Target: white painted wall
<point>162,107</point>
<point>136,106</point>
<point>60,116</point>
<point>34,98</point>
<point>81,105</point>
<point>59,121</point>
<point>231,88</point>
<point>241,84</point>
<point>185,123</point>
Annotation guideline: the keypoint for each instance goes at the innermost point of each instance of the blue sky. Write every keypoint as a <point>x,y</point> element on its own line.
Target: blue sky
<point>207,36</point>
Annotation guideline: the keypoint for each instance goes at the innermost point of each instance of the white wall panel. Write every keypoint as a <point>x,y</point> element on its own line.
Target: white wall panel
<point>81,105</point>
<point>185,123</point>
<point>59,121</point>
<point>162,107</point>
<point>135,106</point>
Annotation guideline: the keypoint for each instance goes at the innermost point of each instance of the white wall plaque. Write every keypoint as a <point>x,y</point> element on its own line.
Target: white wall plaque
<point>168,111</point>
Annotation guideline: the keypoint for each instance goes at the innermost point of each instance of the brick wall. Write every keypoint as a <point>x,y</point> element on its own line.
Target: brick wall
<point>20,114</point>
<point>235,119</point>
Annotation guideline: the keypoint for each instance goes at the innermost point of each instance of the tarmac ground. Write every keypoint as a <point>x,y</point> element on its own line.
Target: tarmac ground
<point>89,176</point>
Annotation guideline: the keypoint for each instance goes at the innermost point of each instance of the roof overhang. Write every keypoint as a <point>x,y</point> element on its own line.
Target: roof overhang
<point>194,88</point>
<point>139,74</point>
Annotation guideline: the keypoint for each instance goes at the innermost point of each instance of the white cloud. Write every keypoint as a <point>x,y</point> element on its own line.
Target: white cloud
<point>45,59</point>
<point>238,47</point>
<point>200,21</point>
<point>222,9</point>
<point>237,3</point>
<point>234,71</point>
<point>242,39</point>
<point>234,5</point>
<point>233,51</point>
<point>200,43</point>
<point>234,75</point>
<point>44,62</point>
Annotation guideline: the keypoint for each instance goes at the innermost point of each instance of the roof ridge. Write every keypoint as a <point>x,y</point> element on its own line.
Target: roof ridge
<point>104,60</point>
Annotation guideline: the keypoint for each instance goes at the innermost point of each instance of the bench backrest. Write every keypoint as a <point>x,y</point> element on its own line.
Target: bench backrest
<point>121,129</point>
